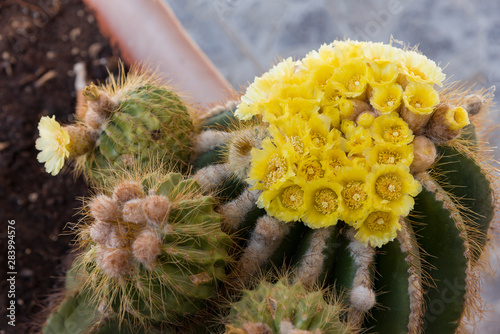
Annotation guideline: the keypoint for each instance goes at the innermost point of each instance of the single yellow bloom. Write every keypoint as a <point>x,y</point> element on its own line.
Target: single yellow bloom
<point>310,169</point>
<point>456,118</point>
<point>319,136</point>
<point>333,160</point>
<point>366,120</point>
<point>286,202</point>
<point>352,76</point>
<point>393,188</point>
<point>290,130</point>
<point>418,68</point>
<point>53,144</point>
<point>420,98</point>
<point>386,98</point>
<point>271,166</point>
<point>377,228</point>
<point>355,196</point>
<point>390,154</point>
<point>358,141</point>
<point>390,128</point>
<point>323,203</point>
<point>380,74</point>
<point>333,113</point>
<point>382,53</point>
<point>301,107</point>
<point>333,93</point>
<point>348,50</point>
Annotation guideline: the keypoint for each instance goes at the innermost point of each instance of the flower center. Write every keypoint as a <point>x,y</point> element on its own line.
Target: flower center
<point>417,73</point>
<point>312,170</point>
<point>292,197</point>
<point>388,187</point>
<point>318,139</point>
<point>354,194</point>
<point>335,163</point>
<point>377,221</point>
<point>326,201</point>
<point>297,144</point>
<point>276,168</point>
<point>354,83</point>
<point>394,134</point>
<point>417,102</point>
<point>388,158</point>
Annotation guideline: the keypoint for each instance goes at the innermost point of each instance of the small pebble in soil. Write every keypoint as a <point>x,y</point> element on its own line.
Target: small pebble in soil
<point>33,197</point>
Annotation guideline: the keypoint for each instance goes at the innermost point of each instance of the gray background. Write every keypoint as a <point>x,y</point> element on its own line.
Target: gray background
<point>244,38</point>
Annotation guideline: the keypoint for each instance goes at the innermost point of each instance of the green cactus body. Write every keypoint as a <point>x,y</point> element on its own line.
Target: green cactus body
<point>153,253</point>
<point>284,308</point>
<point>414,287</point>
<point>123,124</point>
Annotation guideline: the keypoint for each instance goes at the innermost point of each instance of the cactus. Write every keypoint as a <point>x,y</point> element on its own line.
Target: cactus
<point>349,165</point>
<point>129,120</point>
<point>285,308</point>
<point>151,253</point>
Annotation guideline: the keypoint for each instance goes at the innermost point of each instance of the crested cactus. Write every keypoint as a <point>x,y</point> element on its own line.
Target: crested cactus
<point>353,168</point>
<point>131,119</point>
<point>152,253</point>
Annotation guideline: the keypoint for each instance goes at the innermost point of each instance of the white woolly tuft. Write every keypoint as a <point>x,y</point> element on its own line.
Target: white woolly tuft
<point>212,176</point>
<point>234,212</point>
<point>208,140</point>
<point>133,211</point>
<point>362,298</point>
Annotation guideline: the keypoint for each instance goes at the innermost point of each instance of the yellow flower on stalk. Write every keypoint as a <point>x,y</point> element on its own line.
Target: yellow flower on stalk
<point>259,90</point>
<point>456,118</point>
<point>53,143</point>
<point>418,68</point>
<point>324,204</point>
<point>390,154</point>
<point>386,98</point>
<point>271,166</point>
<point>380,74</point>
<point>291,130</point>
<point>420,98</point>
<point>286,202</point>
<point>355,195</point>
<point>377,228</point>
<point>352,76</point>
<point>333,160</point>
<point>392,188</point>
<point>390,128</point>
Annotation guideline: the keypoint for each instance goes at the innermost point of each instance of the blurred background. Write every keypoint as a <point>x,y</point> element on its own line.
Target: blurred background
<point>41,41</point>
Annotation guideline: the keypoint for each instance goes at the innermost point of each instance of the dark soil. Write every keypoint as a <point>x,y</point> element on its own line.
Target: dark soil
<point>40,42</point>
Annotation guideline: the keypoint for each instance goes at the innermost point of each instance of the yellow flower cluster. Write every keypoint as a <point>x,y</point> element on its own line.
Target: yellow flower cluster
<point>339,146</point>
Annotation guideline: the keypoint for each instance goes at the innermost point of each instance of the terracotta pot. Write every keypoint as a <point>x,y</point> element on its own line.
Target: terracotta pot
<point>148,32</point>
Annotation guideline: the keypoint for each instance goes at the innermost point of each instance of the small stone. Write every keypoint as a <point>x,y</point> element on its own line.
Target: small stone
<point>51,55</point>
<point>33,197</point>
<point>74,33</point>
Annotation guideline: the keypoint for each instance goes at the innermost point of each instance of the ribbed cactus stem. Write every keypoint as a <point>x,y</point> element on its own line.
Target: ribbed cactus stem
<point>266,238</point>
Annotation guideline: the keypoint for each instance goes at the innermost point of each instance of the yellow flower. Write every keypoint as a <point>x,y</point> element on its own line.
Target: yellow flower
<point>271,166</point>
<point>53,144</point>
<point>310,169</point>
<point>333,160</point>
<point>358,141</point>
<point>303,108</point>
<point>418,68</point>
<point>334,93</point>
<point>286,202</point>
<point>352,76</point>
<point>290,130</point>
<point>386,98</point>
<point>456,118</point>
<point>381,73</point>
<point>390,128</point>
<point>420,98</point>
<point>389,154</point>
<point>382,53</point>
<point>377,228</point>
<point>320,137</point>
<point>323,204</point>
<point>355,196</point>
<point>259,90</point>
<point>333,113</point>
<point>346,108</point>
<point>348,50</point>
<point>392,188</point>
<point>366,120</point>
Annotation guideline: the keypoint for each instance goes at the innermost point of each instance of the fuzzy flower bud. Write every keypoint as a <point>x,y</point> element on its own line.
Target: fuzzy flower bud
<point>99,232</point>
<point>156,209</point>
<point>146,248</point>
<point>104,209</point>
<point>424,154</point>
<point>127,191</point>
<point>115,262</point>
<point>362,298</point>
<point>133,211</point>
